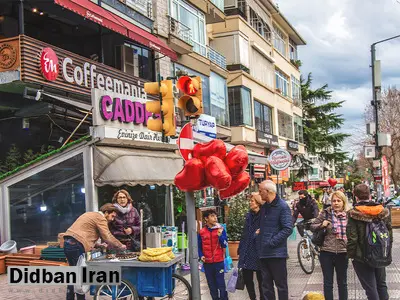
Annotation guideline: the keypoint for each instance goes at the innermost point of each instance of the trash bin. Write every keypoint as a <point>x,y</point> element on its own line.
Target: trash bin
<point>9,247</point>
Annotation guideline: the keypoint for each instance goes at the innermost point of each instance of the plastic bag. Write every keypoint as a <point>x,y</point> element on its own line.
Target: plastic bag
<point>231,288</point>
<point>81,289</point>
<point>293,236</point>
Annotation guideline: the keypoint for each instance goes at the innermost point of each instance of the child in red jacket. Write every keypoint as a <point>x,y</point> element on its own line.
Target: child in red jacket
<point>211,243</point>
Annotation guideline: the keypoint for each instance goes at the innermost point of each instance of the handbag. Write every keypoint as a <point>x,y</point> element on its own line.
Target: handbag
<point>153,239</point>
<point>231,287</point>
<point>240,280</point>
<point>318,237</point>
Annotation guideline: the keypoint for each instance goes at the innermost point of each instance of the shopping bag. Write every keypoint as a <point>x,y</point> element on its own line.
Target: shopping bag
<point>78,288</point>
<point>240,280</point>
<point>231,288</point>
<point>153,237</point>
<point>293,236</point>
<point>228,263</point>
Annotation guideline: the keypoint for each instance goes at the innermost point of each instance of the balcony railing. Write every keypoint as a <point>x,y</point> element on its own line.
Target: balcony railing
<point>145,7</point>
<point>219,3</point>
<point>216,57</point>
<point>180,30</point>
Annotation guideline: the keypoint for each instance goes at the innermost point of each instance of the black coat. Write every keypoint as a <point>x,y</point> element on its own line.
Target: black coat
<point>248,252</point>
<point>308,211</point>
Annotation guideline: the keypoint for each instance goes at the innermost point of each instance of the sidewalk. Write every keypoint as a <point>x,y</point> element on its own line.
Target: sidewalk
<point>299,282</point>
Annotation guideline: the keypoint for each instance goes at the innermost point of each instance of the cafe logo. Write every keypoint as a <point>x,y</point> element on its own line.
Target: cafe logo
<point>280,159</point>
<point>49,64</point>
<point>8,56</point>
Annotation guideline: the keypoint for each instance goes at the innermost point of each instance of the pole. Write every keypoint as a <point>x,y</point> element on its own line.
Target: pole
<point>193,255</point>
<point>21,17</point>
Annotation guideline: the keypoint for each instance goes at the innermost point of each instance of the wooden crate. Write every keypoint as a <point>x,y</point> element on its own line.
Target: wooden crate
<point>47,263</point>
<point>19,259</point>
<point>395,216</point>
<point>2,264</point>
<point>39,248</point>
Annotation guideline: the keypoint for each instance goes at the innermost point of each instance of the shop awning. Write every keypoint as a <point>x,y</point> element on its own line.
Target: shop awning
<point>124,166</point>
<point>95,13</point>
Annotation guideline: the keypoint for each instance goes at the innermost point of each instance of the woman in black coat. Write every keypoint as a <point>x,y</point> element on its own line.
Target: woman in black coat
<point>249,261</point>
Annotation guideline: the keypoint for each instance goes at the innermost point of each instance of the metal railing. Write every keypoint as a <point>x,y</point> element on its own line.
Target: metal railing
<point>180,30</point>
<point>143,6</point>
<point>216,57</point>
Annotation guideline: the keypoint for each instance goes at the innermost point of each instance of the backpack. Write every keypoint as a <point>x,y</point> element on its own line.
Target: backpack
<point>378,246</point>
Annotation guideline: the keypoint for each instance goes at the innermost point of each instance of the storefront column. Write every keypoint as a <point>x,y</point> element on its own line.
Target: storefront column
<point>91,199</point>
<point>4,214</point>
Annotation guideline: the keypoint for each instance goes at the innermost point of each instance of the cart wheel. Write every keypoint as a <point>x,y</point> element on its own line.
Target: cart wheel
<point>124,291</point>
<point>182,289</point>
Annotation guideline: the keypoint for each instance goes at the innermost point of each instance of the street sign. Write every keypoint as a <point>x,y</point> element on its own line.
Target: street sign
<point>385,176</point>
<point>369,151</point>
<point>185,142</point>
<point>280,159</point>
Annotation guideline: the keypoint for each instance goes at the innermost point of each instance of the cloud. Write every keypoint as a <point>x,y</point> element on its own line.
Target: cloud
<point>339,34</point>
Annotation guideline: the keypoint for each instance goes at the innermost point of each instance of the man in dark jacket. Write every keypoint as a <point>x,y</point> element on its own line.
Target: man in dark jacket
<point>275,228</point>
<point>373,280</point>
<point>306,206</point>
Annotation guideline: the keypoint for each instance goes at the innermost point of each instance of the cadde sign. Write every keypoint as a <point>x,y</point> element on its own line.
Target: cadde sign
<point>280,159</point>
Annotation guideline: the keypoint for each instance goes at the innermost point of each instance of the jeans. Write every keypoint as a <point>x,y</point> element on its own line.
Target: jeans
<point>331,262</point>
<point>373,281</point>
<point>73,249</point>
<point>274,270</point>
<point>215,276</point>
<point>248,276</point>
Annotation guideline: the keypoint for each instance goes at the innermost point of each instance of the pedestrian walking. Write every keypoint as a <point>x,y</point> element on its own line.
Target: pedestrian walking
<point>126,225</point>
<point>211,243</point>
<point>275,228</point>
<point>333,256</point>
<point>249,260</point>
<point>370,239</point>
<point>81,237</point>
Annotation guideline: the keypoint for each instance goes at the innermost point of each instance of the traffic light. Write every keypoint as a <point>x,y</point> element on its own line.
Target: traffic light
<point>192,100</point>
<point>166,110</point>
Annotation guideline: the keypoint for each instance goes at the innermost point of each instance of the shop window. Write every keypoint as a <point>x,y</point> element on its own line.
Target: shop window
<point>263,117</point>
<point>135,60</point>
<point>47,203</point>
<point>298,129</point>
<point>219,99</point>
<point>240,106</point>
<point>285,124</point>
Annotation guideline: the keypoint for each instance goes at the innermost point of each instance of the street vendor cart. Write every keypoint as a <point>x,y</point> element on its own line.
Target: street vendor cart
<point>143,279</point>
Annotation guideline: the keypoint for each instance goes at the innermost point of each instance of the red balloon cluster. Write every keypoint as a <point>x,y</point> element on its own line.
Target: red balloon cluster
<point>211,166</point>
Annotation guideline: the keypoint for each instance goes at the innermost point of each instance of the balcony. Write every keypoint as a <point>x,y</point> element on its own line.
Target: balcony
<point>180,37</point>
<point>213,9</point>
<point>216,57</point>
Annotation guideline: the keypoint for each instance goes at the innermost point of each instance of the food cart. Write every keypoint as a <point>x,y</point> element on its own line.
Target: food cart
<point>143,279</point>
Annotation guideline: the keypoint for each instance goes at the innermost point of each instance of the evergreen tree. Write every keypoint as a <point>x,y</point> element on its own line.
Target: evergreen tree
<point>13,158</point>
<point>321,125</point>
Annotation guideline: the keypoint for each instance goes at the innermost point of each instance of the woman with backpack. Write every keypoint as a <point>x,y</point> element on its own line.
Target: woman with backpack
<point>333,255</point>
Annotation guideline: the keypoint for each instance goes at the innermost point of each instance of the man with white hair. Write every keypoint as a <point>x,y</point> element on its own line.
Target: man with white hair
<point>275,228</point>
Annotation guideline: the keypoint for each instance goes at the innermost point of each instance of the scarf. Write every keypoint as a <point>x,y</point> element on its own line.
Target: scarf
<point>339,223</point>
<point>123,210</point>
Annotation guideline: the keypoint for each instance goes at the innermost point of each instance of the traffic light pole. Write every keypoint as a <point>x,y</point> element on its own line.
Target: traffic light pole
<point>194,254</point>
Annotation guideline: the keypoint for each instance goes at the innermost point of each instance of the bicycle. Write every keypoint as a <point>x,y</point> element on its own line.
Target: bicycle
<point>306,250</point>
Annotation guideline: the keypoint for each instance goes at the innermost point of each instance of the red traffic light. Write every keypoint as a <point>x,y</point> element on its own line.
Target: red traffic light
<point>188,85</point>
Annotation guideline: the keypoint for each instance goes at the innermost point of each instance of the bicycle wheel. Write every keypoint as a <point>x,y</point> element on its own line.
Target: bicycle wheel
<point>306,257</point>
<point>182,290</point>
<point>124,291</point>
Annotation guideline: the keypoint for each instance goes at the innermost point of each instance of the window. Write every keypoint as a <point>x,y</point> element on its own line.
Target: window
<point>293,50</point>
<point>298,129</point>
<point>263,117</point>
<point>240,106</point>
<point>244,51</point>
<point>219,99</point>
<point>193,19</point>
<point>260,25</point>
<point>285,125</point>
<point>282,83</point>
<point>263,70</point>
<point>279,41</point>
<point>296,91</point>
<point>135,60</point>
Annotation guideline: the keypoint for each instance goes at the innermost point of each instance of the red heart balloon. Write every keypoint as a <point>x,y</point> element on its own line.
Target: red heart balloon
<point>332,182</point>
<point>237,160</point>
<point>217,173</point>
<point>239,184</point>
<point>192,176</point>
<point>213,148</point>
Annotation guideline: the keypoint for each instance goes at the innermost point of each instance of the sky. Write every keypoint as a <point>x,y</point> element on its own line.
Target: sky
<point>339,34</point>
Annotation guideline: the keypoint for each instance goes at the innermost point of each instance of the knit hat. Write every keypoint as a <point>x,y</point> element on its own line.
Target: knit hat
<point>314,296</point>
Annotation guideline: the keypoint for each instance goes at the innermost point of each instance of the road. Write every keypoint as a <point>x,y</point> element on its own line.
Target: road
<point>299,282</point>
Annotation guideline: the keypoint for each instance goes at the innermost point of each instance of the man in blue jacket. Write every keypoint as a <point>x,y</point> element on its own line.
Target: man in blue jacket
<point>275,228</point>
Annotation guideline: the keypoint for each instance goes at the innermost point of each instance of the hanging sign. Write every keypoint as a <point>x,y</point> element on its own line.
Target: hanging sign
<point>280,159</point>
<point>385,176</point>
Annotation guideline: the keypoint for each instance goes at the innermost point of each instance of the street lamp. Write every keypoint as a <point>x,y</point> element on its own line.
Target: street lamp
<point>376,87</point>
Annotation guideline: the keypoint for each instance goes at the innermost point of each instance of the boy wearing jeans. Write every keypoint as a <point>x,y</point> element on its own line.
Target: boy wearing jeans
<point>211,243</point>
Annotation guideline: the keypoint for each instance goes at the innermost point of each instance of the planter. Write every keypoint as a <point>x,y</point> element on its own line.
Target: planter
<point>233,249</point>
<point>2,264</point>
